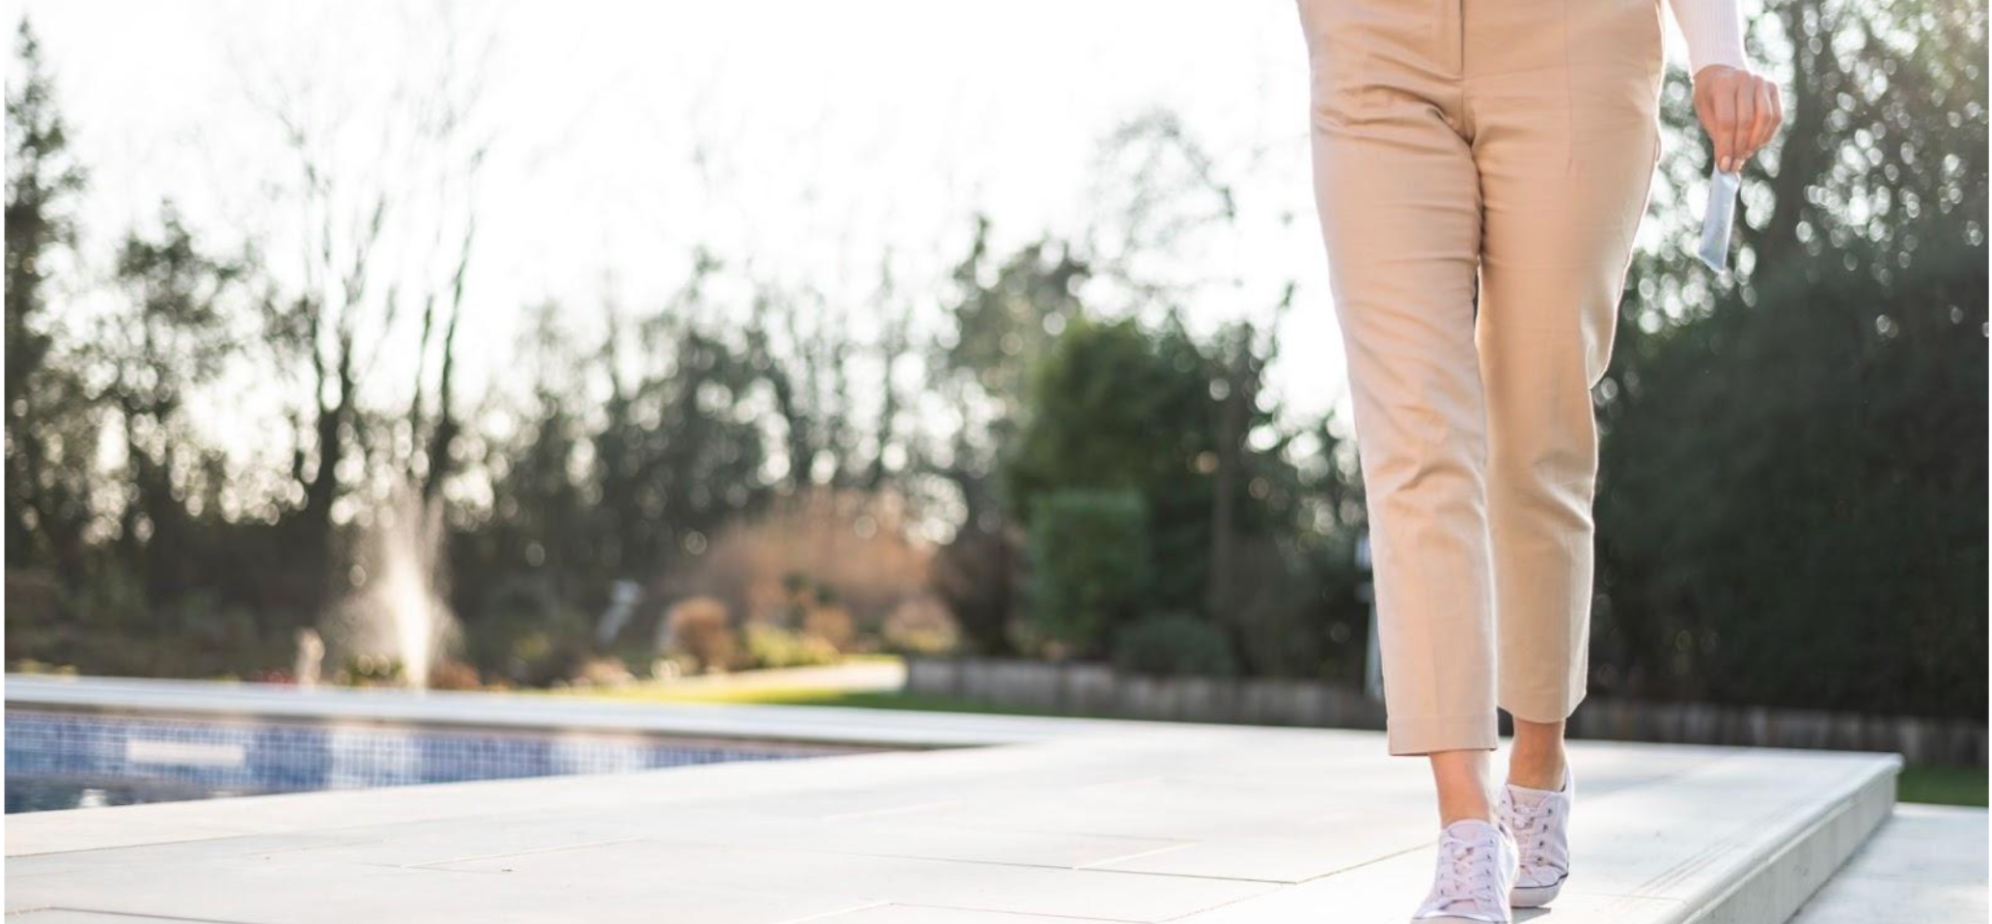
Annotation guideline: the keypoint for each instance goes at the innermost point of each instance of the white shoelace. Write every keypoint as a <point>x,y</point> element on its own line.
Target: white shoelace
<point>1466,873</point>
<point>1531,832</point>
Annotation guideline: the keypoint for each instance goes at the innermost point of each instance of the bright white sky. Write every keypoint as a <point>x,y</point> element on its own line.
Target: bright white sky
<point>833,132</point>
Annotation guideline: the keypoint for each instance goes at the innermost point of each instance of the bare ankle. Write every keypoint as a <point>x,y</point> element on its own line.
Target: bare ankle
<point>1538,758</point>
<point>1461,778</point>
<point>1450,814</point>
<point>1538,772</point>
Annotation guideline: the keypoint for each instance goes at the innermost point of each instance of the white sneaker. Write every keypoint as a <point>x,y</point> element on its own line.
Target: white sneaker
<point>1477,867</point>
<point>1539,820</point>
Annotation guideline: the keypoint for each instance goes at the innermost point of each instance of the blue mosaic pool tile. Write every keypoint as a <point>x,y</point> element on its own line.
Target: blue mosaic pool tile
<point>216,757</point>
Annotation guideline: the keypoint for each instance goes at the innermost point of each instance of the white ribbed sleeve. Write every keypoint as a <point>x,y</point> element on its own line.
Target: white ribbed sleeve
<point>1714,31</point>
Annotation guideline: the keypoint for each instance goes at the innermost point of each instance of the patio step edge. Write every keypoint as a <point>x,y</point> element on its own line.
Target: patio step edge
<point>1774,888</point>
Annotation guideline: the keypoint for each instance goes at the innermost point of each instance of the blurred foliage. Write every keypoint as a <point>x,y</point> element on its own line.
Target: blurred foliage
<point>920,627</point>
<point>525,633</point>
<point>774,646</point>
<point>370,671</point>
<point>976,576</point>
<point>700,629</point>
<point>831,625</point>
<point>1090,565</point>
<point>1115,409</point>
<point>1036,456</point>
<point>52,426</point>
<point>1227,522</point>
<point>1793,502</point>
<point>1174,644</point>
<point>1002,315</point>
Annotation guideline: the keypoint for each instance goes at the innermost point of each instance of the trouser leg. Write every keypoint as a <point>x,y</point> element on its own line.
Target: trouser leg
<point>1398,195</point>
<point>1565,168</point>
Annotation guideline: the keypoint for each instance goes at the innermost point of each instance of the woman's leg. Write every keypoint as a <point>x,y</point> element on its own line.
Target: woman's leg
<point>1399,202</point>
<point>1565,162</point>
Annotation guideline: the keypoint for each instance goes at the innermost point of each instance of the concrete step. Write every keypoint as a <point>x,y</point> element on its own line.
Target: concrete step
<point>1926,864</point>
<point>1109,822</point>
<point>1744,839</point>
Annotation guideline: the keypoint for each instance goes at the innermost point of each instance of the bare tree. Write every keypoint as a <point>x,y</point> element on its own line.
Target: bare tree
<point>377,231</point>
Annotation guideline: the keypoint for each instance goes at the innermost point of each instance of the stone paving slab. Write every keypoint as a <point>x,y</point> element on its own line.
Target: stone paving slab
<point>1098,822</point>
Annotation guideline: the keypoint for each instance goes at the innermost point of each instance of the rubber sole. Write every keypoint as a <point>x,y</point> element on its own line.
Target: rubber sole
<point>1534,897</point>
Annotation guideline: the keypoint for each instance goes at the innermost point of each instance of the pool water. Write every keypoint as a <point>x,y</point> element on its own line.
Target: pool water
<point>42,795</point>
<point>64,760</point>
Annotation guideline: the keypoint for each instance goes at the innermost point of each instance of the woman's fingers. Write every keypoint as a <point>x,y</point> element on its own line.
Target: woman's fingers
<point>1719,118</point>
<point>1742,130</point>
<point>1770,114</point>
<point>1740,111</point>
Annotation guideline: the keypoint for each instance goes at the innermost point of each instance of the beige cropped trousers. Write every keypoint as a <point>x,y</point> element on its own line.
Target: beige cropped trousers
<point>1481,167</point>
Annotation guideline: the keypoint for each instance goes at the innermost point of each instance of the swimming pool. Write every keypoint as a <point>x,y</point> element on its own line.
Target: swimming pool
<point>60,759</point>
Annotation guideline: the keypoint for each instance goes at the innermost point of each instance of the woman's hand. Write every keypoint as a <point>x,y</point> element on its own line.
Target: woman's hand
<point>1739,110</point>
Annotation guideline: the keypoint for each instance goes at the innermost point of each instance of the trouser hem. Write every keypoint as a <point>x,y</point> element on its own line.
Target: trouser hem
<point>1414,735</point>
<point>1544,709</point>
